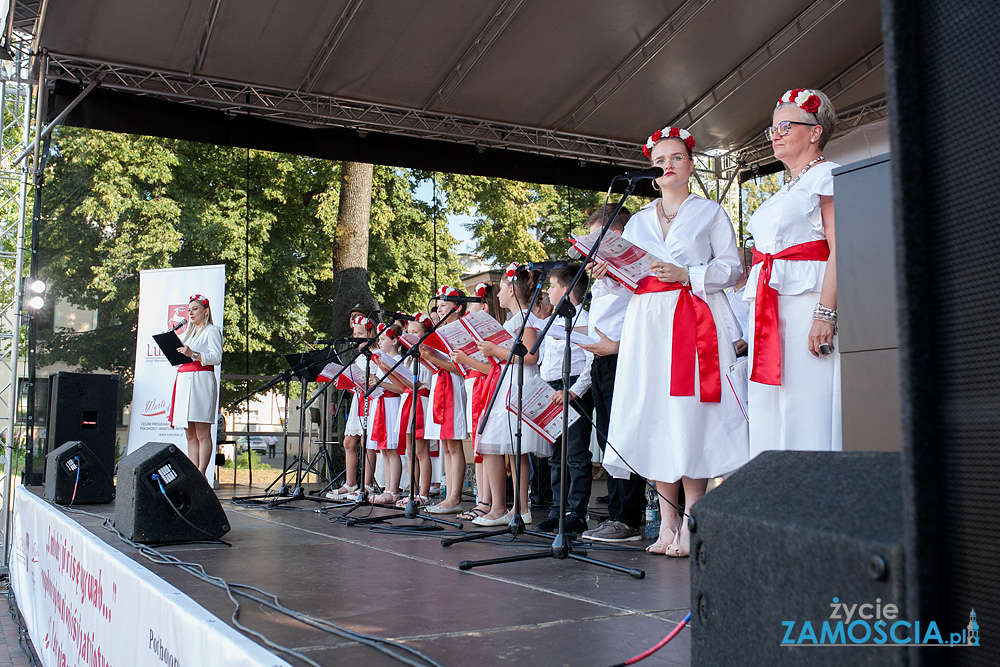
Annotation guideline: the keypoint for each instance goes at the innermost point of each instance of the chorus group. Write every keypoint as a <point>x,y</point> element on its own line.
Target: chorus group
<point>657,372</point>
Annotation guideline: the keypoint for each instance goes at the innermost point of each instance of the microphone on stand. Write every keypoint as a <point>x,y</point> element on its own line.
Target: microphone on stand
<point>396,316</point>
<point>632,176</point>
<point>178,325</point>
<point>458,298</point>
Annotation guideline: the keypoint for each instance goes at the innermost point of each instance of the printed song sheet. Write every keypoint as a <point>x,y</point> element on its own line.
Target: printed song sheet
<point>627,262</point>
<point>538,411</point>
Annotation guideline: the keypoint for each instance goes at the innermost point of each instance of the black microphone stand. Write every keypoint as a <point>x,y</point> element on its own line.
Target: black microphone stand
<point>516,525</point>
<point>561,547</point>
<point>411,511</point>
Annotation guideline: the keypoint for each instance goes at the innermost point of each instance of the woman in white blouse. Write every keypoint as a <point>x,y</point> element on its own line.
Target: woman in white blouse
<point>794,394</point>
<point>196,390</point>
<point>679,425</point>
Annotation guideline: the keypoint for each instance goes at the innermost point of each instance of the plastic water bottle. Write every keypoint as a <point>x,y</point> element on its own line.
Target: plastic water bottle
<point>652,514</point>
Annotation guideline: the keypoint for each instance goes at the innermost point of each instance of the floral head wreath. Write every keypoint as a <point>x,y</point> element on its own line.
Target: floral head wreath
<point>802,98</point>
<point>423,319</point>
<point>667,133</point>
<point>387,330</point>
<point>365,322</point>
<point>481,290</point>
<point>511,272</point>
<point>445,290</point>
<point>203,300</point>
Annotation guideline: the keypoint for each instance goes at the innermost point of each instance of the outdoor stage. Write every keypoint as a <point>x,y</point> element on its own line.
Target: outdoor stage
<point>407,587</point>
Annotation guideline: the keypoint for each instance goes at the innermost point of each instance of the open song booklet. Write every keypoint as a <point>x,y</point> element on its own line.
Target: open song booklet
<point>484,327</point>
<point>538,410</point>
<point>627,262</point>
<point>353,378</point>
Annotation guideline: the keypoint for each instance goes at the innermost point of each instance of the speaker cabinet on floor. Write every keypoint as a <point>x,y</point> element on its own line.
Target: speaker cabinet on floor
<point>779,542</point>
<point>162,497</point>
<point>74,475</point>
<point>84,407</point>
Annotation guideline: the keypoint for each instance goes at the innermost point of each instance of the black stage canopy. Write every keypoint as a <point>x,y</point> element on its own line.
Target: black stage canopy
<point>538,90</point>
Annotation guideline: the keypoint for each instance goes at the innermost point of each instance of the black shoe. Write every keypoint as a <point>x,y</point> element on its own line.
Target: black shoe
<point>604,500</point>
<point>575,524</point>
<point>548,525</point>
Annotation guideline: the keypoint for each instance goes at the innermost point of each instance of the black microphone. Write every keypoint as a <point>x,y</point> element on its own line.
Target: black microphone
<point>179,325</point>
<point>337,341</point>
<point>458,298</point>
<point>632,176</point>
<point>548,266</point>
<point>397,316</point>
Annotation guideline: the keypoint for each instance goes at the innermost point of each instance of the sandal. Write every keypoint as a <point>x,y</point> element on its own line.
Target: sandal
<point>658,547</point>
<point>342,493</point>
<point>384,498</point>
<point>474,513</point>
<point>419,501</point>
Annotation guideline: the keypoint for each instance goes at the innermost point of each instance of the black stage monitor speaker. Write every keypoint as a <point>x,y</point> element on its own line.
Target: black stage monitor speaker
<point>781,544</point>
<point>75,476</point>
<point>162,497</point>
<point>942,72</point>
<point>84,407</point>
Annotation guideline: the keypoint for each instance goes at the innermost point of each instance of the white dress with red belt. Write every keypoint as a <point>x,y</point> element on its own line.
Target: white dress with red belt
<point>654,429</point>
<point>803,411</point>
<point>196,389</point>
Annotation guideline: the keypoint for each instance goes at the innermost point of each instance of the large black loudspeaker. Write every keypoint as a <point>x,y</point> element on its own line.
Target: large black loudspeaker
<point>75,476</point>
<point>779,541</point>
<point>162,497</point>
<point>943,76</point>
<point>84,407</point>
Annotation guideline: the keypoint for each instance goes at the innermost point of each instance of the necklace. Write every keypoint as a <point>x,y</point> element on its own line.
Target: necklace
<point>804,170</point>
<point>668,218</point>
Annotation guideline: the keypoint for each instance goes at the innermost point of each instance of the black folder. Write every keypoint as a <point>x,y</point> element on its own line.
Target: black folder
<point>168,343</point>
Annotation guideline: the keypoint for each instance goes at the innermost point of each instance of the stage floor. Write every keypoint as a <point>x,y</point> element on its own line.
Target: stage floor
<point>407,587</point>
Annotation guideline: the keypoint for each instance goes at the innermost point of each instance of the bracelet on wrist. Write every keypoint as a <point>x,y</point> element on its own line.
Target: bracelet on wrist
<point>824,314</point>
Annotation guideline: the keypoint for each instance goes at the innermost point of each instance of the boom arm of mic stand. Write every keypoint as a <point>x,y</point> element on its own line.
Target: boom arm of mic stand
<point>583,267</point>
<point>276,380</point>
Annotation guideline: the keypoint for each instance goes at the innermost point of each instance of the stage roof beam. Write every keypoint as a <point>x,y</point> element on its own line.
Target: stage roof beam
<point>330,45</point>
<point>206,37</point>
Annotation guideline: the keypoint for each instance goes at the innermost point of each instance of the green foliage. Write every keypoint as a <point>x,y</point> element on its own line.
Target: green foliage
<point>242,463</point>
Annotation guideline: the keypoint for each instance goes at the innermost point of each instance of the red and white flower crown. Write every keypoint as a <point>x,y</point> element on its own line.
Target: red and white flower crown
<point>387,330</point>
<point>423,319</point>
<point>363,321</point>
<point>803,98</point>
<point>511,271</point>
<point>667,133</point>
<point>481,290</point>
<point>445,290</point>
<point>203,300</point>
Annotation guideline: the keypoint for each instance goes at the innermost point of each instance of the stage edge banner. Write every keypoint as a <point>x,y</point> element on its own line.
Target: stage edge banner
<point>87,604</point>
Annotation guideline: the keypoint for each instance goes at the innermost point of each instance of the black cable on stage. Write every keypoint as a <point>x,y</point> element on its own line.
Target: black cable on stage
<point>385,646</point>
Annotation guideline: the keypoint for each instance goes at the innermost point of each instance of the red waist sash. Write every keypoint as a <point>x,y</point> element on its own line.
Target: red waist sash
<point>444,404</point>
<point>404,414</point>
<point>694,336</point>
<point>380,432</point>
<point>767,346</point>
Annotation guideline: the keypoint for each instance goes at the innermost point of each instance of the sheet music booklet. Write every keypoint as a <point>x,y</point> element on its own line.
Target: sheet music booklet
<point>538,410</point>
<point>627,262</point>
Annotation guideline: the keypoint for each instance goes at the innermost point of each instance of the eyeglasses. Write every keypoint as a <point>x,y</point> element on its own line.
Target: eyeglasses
<point>674,160</point>
<point>783,128</point>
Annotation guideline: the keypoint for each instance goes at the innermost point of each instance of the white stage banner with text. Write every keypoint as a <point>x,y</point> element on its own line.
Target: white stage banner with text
<point>87,604</point>
<point>163,302</point>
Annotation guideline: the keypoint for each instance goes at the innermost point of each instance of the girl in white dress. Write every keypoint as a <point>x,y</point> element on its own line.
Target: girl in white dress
<point>445,417</point>
<point>385,415</point>
<point>421,454</point>
<point>497,438</point>
<point>678,425</point>
<point>361,327</point>
<point>794,393</point>
<point>196,391</point>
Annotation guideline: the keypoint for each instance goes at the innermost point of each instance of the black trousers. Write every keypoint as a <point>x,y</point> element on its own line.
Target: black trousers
<point>627,496</point>
<point>579,474</point>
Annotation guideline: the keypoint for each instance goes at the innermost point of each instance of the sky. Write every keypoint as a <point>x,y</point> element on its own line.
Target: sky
<point>456,223</point>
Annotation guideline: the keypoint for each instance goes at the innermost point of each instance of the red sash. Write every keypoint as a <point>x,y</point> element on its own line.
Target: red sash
<point>766,342</point>
<point>380,432</point>
<point>190,367</point>
<point>478,404</point>
<point>694,335</point>
<point>444,404</point>
<point>404,413</point>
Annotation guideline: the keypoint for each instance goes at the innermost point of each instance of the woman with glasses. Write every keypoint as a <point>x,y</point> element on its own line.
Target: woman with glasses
<point>677,425</point>
<point>794,395</point>
<point>195,397</point>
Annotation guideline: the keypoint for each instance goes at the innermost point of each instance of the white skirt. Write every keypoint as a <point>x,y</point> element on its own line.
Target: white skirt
<point>196,398</point>
<point>803,413</point>
<point>498,436</point>
<point>354,425</point>
<point>664,437</point>
<point>459,429</point>
<point>391,405</point>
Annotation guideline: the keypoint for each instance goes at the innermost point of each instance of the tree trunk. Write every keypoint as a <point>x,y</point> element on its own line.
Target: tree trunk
<point>350,253</point>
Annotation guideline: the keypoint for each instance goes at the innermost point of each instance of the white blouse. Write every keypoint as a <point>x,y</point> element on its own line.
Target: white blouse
<point>789,217</point>
<point>701,238</point>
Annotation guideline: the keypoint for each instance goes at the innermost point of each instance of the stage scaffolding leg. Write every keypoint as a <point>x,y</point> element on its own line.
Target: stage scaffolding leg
<point>16,130</point>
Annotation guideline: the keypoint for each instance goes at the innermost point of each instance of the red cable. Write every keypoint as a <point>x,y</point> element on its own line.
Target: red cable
<point>663,642</point>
